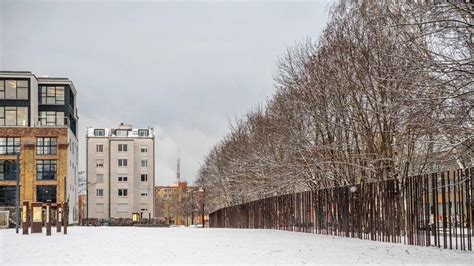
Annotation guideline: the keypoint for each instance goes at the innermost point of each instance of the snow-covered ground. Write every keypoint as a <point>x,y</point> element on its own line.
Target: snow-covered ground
<point>197,246</point>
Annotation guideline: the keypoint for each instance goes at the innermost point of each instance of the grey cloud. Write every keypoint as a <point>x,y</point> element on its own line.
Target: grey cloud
<point>188,68</point>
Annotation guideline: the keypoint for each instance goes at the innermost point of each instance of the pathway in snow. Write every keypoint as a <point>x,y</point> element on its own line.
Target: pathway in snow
<point>197,245</point>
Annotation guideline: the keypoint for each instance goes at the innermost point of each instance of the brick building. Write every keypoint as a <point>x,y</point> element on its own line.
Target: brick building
<point>38,120</point>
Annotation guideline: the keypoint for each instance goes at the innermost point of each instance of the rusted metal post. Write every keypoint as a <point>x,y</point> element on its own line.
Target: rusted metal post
<point>48,218</point>
<point>37,217</point>
<point>58,218</point>
<point>24,219</point>
<point>65,217</point>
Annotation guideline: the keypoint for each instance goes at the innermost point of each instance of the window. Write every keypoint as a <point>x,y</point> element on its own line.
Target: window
<point>13,116</point>
<point>99,163</point>
<point>46,169</point>
<point>144,163</point>
<point>143,132</point>
<point>122,147</point>
<point>14,89</point>
<point>122,162</point>
<point>7,170</point>
<point>46,146</point>
<point>99,148</point>
<point>51,118</point>
<point>121,133</point>
<point>99,178</point>
<point>7,196</point>
<point>144,210</point>
<point>99,132</point>
<point>45,193</point>
<point>99,192</point>
<point>122,192</point>
<point>144,177</point>
<point>144,194</point>
<point>143,149</point>
<point>9,145</point>
<point>122,179</point>
<point>51,95</point>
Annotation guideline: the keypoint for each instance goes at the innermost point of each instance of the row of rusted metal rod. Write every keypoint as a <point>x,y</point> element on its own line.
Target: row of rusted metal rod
<point>40,213</point>
<point>426,210</point>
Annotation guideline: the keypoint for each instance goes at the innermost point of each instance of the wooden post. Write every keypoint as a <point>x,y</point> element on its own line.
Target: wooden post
<point>48,218</point>
<point>37,217</point>
<point>58,218</point>
<point>65,217</point>
<point>24,219</point>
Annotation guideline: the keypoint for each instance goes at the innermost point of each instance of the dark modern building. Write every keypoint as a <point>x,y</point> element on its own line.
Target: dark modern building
<point>38,120</point>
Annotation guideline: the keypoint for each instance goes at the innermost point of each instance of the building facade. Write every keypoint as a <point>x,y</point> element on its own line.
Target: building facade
<point>120,172</point>
<point>179,204</point>
<point>38,120</point>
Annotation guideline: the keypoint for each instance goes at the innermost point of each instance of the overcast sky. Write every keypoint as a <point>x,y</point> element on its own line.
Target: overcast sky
<point>186,69</point>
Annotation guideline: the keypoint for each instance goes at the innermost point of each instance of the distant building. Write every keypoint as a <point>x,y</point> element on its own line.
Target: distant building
<point>38,119</point>
<point>120,172</point>
<point>179,204</point>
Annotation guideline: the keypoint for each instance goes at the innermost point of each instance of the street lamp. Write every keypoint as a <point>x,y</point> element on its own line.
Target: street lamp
<point>203,191</point>
<point>17,173</point>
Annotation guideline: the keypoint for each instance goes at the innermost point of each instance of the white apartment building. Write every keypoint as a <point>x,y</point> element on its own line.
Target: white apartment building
<point>120,172</point>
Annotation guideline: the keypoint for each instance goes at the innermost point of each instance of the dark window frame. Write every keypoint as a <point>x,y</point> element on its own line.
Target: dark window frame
<point>96,132</point>
<point>99,148</point>
<point>122,162</point>
<point>42,173</point>
<point>122,147</point>
<point>50,149</point>
<point>51,118</point>
<point>48,98</point>
<point>7,196</point>
<point>122,192</point>
<point>145,131</point>
<point>3,115</point>
<point>3,89</point>
<point>7,171</point>
<point>43,193</point>
<point>10,145</point>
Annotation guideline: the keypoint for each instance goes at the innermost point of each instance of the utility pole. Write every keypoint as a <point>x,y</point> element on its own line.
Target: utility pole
<point>17,173</point>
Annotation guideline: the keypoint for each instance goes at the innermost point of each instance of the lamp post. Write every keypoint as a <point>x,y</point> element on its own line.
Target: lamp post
<point>17,173</point>
<point>203,191</point>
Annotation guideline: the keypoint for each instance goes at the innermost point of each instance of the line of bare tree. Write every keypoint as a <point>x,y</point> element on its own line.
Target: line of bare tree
<point>386,92</point>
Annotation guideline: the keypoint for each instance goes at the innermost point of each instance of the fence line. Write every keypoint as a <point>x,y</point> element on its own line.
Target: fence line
<point>425,210</point>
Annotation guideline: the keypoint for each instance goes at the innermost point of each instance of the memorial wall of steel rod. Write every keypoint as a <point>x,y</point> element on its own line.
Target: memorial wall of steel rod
<point>425,210</point>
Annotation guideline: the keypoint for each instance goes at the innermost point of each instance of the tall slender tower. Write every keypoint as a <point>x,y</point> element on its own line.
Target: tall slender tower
<point>178,171</point>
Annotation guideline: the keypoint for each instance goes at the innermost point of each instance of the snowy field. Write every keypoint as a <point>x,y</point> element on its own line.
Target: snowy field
<point>219,246</point>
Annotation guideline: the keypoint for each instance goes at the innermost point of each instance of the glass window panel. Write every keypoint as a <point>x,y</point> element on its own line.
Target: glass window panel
<point>22,116</point>
<point>50,100</point>
<point>10,117</point>
<point>22,83</point>
<point>2,85</point>
<point>10,90</point>
<point>22,93</point>
<point>51,91</point>
<point>11,84</point>
<point>60,118</point>
<point>60,95</point>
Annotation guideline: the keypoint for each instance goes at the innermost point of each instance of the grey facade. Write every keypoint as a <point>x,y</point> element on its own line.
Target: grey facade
<point>120,172</point>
